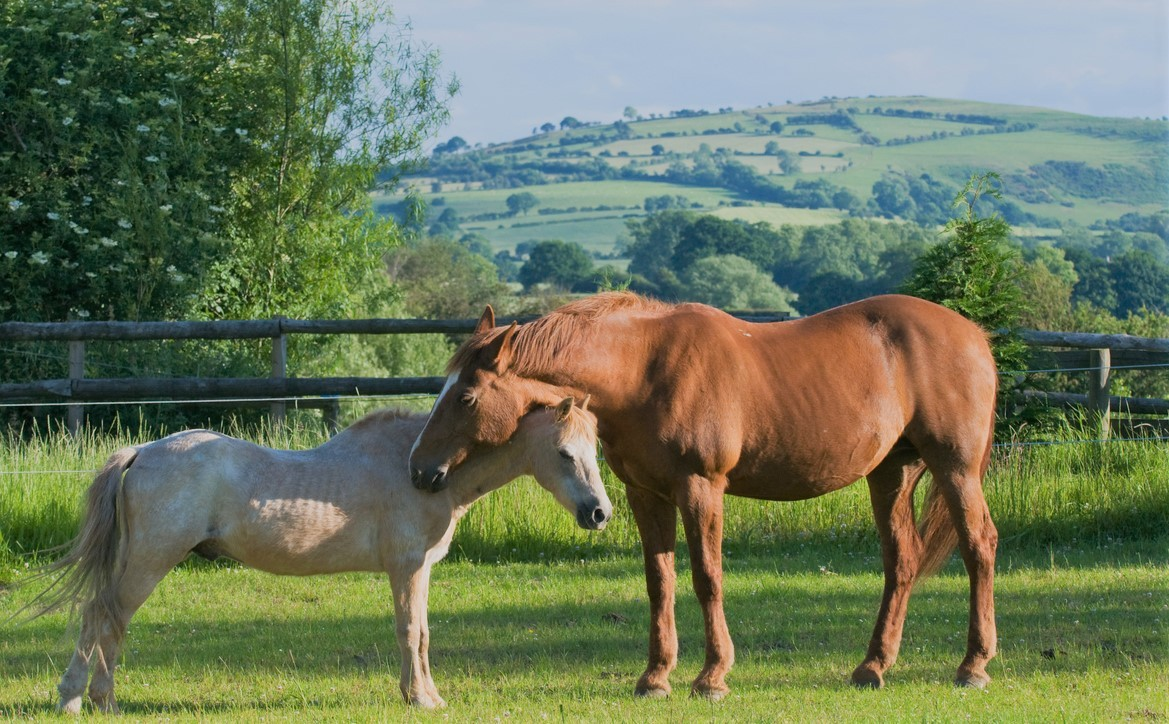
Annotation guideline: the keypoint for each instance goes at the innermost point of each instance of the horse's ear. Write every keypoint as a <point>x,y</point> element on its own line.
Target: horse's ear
<point>487,321</point>
<point>500,350</point>
<point>564,408</point>
<point>584,405</point>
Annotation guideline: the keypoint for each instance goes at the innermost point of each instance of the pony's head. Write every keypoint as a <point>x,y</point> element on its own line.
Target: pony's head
<point>560,445</point>
<point>480,406</point>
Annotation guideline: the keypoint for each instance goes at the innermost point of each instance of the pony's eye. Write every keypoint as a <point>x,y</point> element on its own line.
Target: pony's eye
<point>565,454</point>
<point>468,398</point>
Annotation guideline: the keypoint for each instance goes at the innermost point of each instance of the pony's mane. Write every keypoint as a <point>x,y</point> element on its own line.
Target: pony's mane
<point>384,416</point>
<point>539,342</point>
<point>580,422</point>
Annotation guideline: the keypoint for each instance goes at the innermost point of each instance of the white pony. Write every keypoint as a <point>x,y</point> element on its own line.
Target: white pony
<point>347,505</point>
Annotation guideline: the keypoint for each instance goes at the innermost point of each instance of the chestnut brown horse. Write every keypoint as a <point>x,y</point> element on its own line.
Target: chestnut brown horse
<point>693,404</point>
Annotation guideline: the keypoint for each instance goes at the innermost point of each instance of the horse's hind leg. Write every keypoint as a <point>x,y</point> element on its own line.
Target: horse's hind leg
<point>891,487</point>
<point>977,543</point>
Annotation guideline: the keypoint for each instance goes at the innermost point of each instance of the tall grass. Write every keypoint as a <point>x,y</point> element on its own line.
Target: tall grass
<point>1079,490</point>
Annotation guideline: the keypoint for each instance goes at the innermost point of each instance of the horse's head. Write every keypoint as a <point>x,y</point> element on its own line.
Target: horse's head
<point>480,407</point>
<point>560,445</point>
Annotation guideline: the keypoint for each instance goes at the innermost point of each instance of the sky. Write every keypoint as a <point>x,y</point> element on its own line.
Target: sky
<point>523,63</point>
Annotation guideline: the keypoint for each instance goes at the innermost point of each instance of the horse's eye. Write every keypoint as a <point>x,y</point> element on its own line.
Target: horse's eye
<point>565,454</point>
<point>467,399</point>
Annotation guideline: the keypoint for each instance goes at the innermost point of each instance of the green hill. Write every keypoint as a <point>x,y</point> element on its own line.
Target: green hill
<point>803,164</point>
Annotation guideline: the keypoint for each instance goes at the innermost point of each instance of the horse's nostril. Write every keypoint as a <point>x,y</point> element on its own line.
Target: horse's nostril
<point>438,481</point>
<point>599,515</point>
<point>415,475</point>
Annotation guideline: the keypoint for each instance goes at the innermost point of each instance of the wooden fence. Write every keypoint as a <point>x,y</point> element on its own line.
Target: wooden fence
<point>1094,354</point>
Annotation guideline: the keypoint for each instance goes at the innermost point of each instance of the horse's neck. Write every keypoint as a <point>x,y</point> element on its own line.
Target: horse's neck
<point>609,367</point>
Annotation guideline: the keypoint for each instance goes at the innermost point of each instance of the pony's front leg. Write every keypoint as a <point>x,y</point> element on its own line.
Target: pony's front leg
<point>411,588</point>
<point>701,503</point>
<point>657,524</point>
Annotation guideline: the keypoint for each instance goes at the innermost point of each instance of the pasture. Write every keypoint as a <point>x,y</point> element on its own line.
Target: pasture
<point>533,619</point>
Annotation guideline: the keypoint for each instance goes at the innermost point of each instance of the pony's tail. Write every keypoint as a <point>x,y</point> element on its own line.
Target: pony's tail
<point>89,570</point>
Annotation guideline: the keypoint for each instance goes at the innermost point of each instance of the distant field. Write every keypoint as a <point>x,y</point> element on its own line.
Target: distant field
<point>1127,150</point>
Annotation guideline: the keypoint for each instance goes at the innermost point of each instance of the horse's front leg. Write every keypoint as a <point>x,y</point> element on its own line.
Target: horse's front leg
<point>657,524</point>
<point>411,588</point>
<point>701,503</point>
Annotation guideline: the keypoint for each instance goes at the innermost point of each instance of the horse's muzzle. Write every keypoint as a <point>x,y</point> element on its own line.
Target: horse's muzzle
<point>592,517</point>
<point>432,481</point>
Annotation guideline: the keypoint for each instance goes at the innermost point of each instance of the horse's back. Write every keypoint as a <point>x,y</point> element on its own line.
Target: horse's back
<point>819,401</point>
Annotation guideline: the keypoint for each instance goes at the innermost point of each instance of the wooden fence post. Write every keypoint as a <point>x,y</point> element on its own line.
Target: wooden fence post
<point>1098,391</point>
<point>279,372</point>
<point>76,413</point>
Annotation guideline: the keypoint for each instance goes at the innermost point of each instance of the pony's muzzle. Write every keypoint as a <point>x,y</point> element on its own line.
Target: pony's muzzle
<point>592,516</point>
<point>432,481</point>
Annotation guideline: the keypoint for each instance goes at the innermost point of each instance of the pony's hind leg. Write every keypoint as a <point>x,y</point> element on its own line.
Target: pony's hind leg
<point>76,676</point>
<point>891,487</point>
<point>122,601</point>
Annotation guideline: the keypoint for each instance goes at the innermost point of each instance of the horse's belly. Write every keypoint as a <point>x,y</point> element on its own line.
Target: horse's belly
<point>788,488</point>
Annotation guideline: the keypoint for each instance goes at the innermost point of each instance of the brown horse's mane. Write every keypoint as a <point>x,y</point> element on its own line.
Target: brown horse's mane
<point>538,343</point>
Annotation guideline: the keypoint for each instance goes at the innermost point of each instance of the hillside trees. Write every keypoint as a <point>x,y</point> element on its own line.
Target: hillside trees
<point>732,282</point>
<point>562,264</point>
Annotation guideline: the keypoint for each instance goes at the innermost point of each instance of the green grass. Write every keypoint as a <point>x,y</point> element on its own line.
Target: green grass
<point>532,617</point>
<point>1083,637</point>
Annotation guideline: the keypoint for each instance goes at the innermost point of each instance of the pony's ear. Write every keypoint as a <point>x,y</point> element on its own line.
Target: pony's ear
<point>500,351</point>
<point>584,405</point>
<point>564,408</point>
<point>487,321</point>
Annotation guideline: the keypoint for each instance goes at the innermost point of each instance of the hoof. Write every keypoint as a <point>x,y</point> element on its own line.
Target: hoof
<point>645,690</point>
<point>975,680</point>
<point>653,692</point>
<point>710,693</point>
<point>864,677</point>
<point>427,702</point>
<point>72,705</point>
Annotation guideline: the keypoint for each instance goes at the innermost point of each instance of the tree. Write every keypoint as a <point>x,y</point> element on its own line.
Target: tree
<point>560,263</point>
<point>548,127</point>
<point>732,282</point>
<point>340,104</point>
<point>523,202</point>
<point>116,157</point>
<point>975,271</point>
<point>173,159</point>
<point>454,145</point>
<point>657,149</point>
<point>630,113</point>
<point>442,279</point>
<point>569,123</point>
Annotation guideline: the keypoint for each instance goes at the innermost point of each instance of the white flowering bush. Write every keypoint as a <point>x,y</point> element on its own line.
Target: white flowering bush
<point>110,162</point>
<point>178,159</point>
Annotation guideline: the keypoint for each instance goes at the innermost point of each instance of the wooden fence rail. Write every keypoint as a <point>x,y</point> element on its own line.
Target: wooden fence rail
<point>1094,354</point>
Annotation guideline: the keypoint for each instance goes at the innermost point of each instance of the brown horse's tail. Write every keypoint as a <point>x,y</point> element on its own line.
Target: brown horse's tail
<point>936,528</point>
<point>89,570</point>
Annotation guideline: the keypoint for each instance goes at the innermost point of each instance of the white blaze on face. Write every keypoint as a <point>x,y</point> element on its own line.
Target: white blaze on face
<point>450,382</point>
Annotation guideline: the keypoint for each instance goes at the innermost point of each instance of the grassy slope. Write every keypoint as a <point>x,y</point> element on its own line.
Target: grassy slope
<point>1059,136</point>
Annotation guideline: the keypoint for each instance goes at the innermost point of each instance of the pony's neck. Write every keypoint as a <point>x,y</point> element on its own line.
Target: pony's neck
<point>487,471</point>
